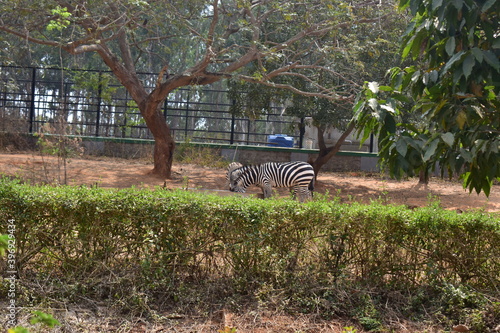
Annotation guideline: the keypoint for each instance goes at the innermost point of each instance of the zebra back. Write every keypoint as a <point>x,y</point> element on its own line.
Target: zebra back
<point>272,174</point>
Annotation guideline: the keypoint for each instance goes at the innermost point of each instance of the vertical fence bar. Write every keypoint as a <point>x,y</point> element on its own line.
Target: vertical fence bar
<point>233,123</point>
<point>32,103</point>
<point>165,108</point>
<point>302,131</point>
<point>98,116</point>
<point>371,143</point>
<point>125,117</point>
<point>187,115</point>
<point>248,130</point>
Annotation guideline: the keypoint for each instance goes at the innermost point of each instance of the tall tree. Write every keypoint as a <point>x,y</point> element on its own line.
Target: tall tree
<point>196,42</point>
<point>351,54</point>
<point>455,90</point>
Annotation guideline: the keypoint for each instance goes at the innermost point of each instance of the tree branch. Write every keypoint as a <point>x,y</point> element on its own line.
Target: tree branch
<point>330,95</point>
<point>27,37</point>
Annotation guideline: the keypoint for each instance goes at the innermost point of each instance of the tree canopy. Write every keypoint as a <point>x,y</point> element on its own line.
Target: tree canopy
<point>193,43</point>
<point>453,90</point>
<point>352,54</point>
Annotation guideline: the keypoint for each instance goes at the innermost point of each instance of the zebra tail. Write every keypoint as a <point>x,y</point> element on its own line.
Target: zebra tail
<point>311,185</point>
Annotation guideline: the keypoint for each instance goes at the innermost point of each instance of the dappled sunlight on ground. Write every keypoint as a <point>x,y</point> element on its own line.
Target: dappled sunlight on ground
<point>349,186</point>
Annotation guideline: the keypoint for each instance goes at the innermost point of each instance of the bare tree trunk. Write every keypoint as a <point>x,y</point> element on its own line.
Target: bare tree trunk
<point>326,153</point>
<point>164,142</point>
<point>423,176</point>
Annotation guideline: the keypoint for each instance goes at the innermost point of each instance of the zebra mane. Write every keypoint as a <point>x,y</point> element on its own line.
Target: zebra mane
<point>233,166</point>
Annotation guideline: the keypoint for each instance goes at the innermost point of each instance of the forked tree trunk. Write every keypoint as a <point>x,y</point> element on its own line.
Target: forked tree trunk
<point>164,142</point>
<point>326,153</point>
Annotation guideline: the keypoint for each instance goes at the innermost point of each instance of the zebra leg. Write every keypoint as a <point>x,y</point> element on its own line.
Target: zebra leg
<point>303,193</point>
<point>267,190</point>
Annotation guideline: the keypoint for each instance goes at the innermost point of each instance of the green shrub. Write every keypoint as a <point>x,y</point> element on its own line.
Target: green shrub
<point>320,256</point>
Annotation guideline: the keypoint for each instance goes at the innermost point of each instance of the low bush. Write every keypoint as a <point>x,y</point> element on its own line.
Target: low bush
<point>141,250</point>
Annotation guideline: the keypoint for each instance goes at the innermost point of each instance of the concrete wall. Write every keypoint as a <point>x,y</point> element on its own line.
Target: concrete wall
<point>343,161</point>
<point>135,148</point>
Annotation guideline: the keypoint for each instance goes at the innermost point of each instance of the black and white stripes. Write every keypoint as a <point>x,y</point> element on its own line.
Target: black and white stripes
<point>299,176</point>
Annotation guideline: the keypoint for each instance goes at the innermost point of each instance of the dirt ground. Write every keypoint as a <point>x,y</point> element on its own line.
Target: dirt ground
<point>358,186</point>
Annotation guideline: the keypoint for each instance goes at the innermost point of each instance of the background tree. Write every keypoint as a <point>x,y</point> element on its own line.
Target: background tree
<point>455,90</point>
<point>188,42</point>
<point>351,54</point>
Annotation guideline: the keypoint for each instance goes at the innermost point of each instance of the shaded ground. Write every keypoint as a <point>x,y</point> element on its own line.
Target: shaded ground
<point>359,186</point>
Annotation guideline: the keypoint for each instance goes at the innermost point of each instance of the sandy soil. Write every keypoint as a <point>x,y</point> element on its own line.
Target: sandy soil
<point>364,187</point>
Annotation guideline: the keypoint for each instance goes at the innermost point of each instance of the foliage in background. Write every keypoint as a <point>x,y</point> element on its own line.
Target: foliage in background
<point>192,43</point>
<point>186,152</point>
<point>144,251</point>
<point>454,89</point>
<point>354,53</point>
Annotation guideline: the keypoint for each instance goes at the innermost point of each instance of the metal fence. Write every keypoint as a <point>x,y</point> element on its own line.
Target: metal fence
<point>93,103</point>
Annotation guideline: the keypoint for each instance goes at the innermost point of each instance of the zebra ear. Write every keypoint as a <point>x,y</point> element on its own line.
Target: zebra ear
<point>233,166</point>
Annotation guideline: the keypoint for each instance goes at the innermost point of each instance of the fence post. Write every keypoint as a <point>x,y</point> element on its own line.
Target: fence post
<point>32,103</point>
<point>302,131</point>
<point>165,108</point>
<point>233,122</point>
<point>187,115</point>
<point>98,116</point>
<point>371,143</point>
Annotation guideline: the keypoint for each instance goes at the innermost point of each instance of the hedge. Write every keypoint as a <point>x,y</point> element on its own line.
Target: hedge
<point>163,236</point>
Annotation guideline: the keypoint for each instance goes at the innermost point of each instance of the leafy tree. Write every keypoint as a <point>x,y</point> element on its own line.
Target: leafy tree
<point>187,42</point>
<point>351,54</point>
<point>454,90</point>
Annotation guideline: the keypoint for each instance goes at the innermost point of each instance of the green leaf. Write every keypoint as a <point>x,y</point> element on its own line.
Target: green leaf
<point>386,88</point>
<point>491,59</point>
<point>431,149</point>
<point>458,4</point>
<point>487,187</point>
<point>436,4</point>
<point>4,244</point>
<point>450,46</point>
<point>390,124</point>
<point>407,49</point>
<point>478,54</point>
<point>358,107</point>
<point>456,57</point>
<point>401,147</point>
<point>44,318</point>
<point>467,156</point>
<point>487,5</point>
<point>448,138</point>
<point>468,65</point>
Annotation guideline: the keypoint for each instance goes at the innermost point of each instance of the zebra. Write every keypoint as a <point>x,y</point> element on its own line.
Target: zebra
<point>298,176</point>
<point>233,167</point>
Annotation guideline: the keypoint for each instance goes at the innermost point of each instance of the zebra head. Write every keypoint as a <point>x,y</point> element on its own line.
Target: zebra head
<point>232,168</point>
<point>236,183</point>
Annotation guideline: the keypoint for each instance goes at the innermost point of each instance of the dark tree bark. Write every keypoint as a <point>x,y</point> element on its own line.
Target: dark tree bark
<point>326,153</point>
